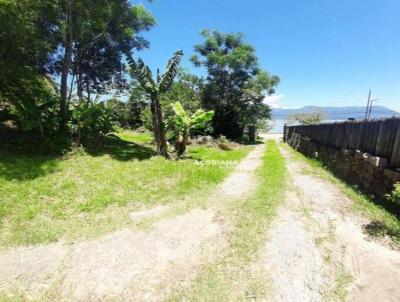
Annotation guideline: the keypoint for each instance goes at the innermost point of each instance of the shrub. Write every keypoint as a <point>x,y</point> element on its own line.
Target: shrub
<point>395,195</point>
<point>91,122</point>
<point>184,124</point>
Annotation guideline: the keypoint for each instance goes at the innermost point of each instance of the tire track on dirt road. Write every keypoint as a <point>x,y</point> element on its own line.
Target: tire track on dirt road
<point>317,249</point>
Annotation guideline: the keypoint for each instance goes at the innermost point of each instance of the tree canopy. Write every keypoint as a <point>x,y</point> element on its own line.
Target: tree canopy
<point>28,37</point>
<point>99,46</point>
<point>60,58</point>
<point>81,43</point>
<point>235,85</point>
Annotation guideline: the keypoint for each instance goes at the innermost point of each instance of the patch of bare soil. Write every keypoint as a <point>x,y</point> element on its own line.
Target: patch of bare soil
<point>128,265</point>
<point>242,180</point>
<point>148,213</point>
<point>318,249</point>
<point>291,257</point>
<point>136,265</point>
<point>124,263</point>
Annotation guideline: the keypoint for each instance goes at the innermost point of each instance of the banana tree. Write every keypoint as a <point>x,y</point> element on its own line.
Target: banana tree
<point>185,123</point>
<point>155,89</point>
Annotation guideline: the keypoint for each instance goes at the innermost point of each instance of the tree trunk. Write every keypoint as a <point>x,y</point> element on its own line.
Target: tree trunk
<point>163,150</point>
<point>252,133</point>
<point>78,73</point>
<point>181,144</point>
<point>41,130</point>
<point>66,66</point>
<point>79,86</point>
<point>155,122</point>
<point>159,126</point>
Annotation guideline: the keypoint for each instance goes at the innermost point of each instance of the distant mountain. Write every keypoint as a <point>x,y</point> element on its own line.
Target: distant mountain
<point>336,113</point>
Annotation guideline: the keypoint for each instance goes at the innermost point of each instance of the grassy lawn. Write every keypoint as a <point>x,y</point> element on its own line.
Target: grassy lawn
<point>90,192</point>
<point>235,276</point>
<point>384,223</point>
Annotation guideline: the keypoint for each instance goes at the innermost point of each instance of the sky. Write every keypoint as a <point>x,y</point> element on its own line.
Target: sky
<point>326,52</point>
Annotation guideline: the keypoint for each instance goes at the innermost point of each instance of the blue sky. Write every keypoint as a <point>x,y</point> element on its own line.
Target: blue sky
<point>326,52</point>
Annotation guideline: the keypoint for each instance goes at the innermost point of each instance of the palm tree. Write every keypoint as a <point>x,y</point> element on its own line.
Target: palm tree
<point>155,88</point>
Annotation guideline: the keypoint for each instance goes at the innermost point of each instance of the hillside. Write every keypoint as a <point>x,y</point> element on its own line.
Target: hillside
<point>336,113</point>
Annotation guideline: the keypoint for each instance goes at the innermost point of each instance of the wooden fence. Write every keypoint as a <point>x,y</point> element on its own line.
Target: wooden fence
<point>377,137</point>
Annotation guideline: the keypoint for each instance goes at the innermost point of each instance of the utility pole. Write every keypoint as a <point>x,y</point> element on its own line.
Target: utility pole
<point>370,107</point>
<point>367,109</point>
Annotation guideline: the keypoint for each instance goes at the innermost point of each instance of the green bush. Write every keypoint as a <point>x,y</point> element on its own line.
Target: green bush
<point>395,195</point>
<point>35,109</point>
<point>184,124</point>
<point>91,122</point>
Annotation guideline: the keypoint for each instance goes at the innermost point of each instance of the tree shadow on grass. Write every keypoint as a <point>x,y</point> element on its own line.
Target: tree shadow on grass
<point>121,149</point>
<point>22,167</point>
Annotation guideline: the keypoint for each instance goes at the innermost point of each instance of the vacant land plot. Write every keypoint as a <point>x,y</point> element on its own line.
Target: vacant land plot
<point>90,192</point>
<point>274,226</point>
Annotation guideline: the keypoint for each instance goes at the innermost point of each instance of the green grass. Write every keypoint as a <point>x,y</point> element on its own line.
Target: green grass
<point>342,281</point>
<point>136,137</point>
<point>383,222</point>
<point>90,192</point>
<point>234,276</point>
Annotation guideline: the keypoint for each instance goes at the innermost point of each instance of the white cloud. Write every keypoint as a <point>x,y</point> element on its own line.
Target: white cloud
<point>274,101</point>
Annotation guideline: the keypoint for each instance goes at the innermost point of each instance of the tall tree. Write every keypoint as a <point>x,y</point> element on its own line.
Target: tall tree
<point>255,90</point>
<point>100,46</point>
<point>83,42</point>
<point>97,36</point>
<point>26,41</point>
<point>155,88</point>
<point>68,44</point>
<point>28,36</point>
<point>235,84</point>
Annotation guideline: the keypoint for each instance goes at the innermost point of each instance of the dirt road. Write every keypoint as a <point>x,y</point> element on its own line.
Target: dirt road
<point>317,250</point>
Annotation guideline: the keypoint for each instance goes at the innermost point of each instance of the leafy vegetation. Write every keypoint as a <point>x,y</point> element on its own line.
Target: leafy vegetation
<point>235,86</point>
<point>184,124</point>
<point>91,191</point>
<point>24,55</point>
<point>136,106</point>
<point>155,89</point>
<point>61,59</point>
<point>394,196</point>
<point>66,70</point>
<point>93,50</point>
<point>187,90</point>
<point>81,42</point>
<point>91,123</point>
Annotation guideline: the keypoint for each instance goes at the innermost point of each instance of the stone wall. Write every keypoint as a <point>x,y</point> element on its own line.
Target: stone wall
<point>370,173</point>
